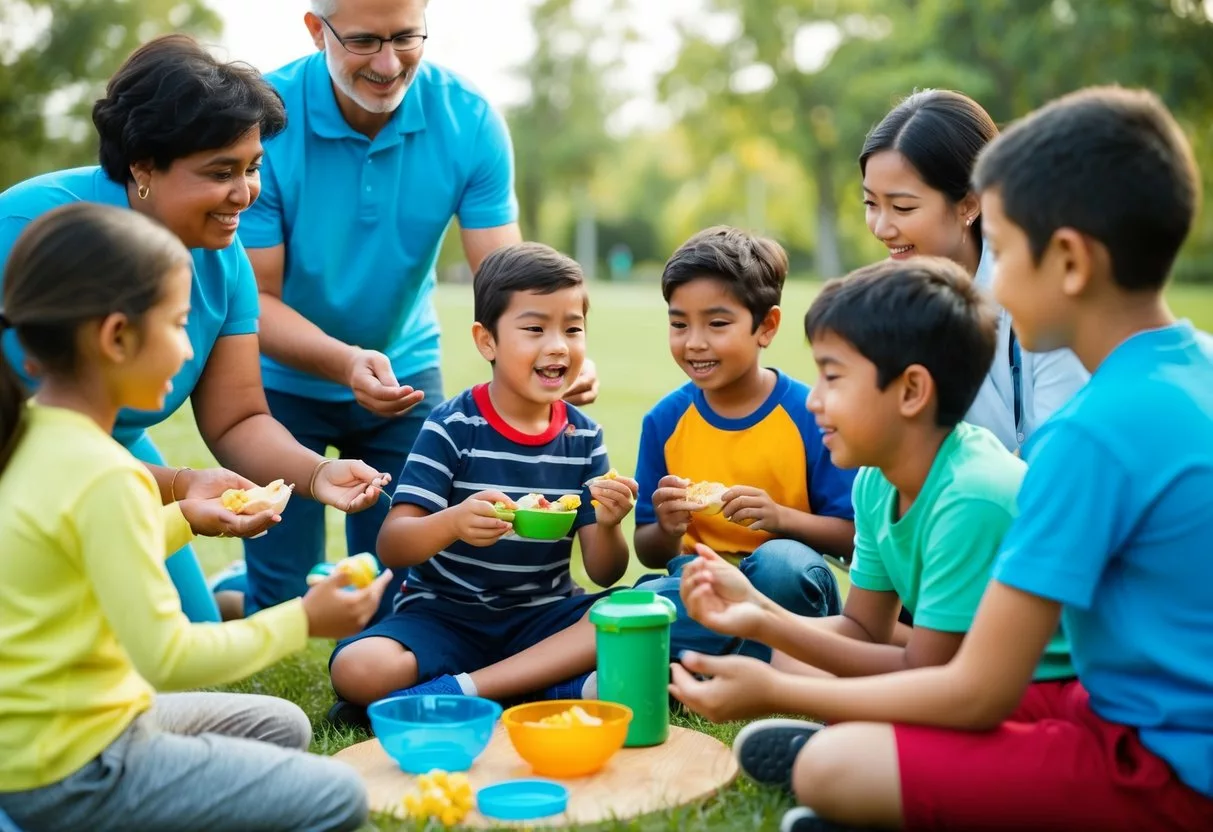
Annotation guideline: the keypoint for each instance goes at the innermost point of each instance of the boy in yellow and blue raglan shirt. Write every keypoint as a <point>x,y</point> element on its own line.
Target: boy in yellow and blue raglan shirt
<point>742,425</point>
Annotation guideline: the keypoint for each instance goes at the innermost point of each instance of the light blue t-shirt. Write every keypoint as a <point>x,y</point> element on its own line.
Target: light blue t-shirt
<point>363,220</point>
<point>223,300</point>
<point>1115,520</point>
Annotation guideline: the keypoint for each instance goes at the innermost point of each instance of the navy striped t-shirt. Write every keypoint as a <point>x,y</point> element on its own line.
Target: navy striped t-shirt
<point>466,447</point>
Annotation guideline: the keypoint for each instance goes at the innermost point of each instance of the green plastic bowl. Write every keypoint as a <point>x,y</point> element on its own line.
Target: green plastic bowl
<point>537,524</point>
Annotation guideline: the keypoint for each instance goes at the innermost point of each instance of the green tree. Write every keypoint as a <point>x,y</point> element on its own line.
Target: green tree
<point>560,133</point>
<point>55,56</point>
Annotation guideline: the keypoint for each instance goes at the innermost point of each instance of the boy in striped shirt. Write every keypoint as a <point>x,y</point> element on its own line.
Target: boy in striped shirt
<point>475,592</point>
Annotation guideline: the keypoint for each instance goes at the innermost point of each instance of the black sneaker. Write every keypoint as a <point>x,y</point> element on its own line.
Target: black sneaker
<point>766,750</point>
<point>348,715</point>
<point>802,819</point>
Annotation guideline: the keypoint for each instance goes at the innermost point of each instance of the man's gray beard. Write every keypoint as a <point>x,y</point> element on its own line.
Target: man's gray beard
<point>345,83</point>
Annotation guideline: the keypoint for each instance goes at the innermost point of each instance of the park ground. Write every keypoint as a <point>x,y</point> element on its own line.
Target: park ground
<point>626,336</point>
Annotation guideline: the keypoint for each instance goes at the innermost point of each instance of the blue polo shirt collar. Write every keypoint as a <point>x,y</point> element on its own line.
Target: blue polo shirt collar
<point>326,120</point>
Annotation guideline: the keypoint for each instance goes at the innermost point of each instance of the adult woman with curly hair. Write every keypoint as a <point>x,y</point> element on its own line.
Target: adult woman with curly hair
<point>180,141</point>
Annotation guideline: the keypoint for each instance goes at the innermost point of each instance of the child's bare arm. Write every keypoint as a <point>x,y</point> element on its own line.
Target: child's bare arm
<point>604,549</point>
<point>655,547</point>
<point>412,535</point>
<point>975,691</point>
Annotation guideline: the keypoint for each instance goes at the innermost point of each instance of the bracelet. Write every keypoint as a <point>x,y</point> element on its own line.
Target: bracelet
<point>311,486</point>
<point>172,487</point>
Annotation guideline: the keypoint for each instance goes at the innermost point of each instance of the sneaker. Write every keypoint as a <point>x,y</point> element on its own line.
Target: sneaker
<point>569,689</point>
<point>804,819</point>
<point>232,578</point>
<point>348,715</point>
<point>444,685</point>
<point>766,750</point>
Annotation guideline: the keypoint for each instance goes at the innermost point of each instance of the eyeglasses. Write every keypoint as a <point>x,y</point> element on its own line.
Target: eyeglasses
<point>372,44</point>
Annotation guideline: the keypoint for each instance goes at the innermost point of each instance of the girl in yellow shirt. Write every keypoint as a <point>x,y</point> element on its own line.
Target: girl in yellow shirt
<point>90,624</point>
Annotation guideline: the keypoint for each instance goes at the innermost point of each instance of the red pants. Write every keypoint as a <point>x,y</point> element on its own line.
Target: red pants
<point>1054,765</point>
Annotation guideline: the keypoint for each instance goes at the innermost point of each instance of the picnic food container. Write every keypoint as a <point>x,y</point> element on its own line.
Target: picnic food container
<point>633,639</point>
<point>558,743</point>
<point>422,733</point>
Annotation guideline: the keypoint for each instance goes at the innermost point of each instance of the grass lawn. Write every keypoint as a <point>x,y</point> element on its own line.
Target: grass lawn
<point>627,338</point>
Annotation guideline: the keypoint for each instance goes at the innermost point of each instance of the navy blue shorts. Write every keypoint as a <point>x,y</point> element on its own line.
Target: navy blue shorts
<point>449,638</point>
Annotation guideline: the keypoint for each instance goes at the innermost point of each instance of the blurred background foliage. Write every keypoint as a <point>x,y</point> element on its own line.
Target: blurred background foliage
<point>766,102</point>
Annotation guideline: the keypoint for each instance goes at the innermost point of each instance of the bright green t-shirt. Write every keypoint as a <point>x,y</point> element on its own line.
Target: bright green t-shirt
<point>939,556</point>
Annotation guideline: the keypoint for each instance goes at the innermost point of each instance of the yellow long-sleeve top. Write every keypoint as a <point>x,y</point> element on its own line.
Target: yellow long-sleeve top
<point>90,623</point>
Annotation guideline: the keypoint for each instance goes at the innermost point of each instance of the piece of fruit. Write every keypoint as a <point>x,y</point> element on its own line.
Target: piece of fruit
<point>568,502</point>
<point>503,513</point>
<point>272,497</point>
<point>438,795</point>
<point>363,569</point>
<point>575,715</point>
<point>708,496</point>
<point>609,475</point>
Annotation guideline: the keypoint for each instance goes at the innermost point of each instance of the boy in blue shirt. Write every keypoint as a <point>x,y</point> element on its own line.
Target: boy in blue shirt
<point>745,426</point>
<point>1085,203</point>
<point>475,593</point>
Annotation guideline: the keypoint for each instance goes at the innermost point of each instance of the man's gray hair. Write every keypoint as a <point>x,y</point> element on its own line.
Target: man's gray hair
<point>327,8</point>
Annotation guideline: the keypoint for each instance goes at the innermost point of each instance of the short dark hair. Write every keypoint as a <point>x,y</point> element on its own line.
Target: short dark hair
<point>522,267</point>
<point>940,133</point>
<point>77,263</point>
<point>1108,162</point>
<point>754,268</point>
<point>925,311</point>
<point>171,98</point>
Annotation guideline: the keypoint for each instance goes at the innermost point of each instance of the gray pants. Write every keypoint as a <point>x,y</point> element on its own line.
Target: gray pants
<point>204,761</point>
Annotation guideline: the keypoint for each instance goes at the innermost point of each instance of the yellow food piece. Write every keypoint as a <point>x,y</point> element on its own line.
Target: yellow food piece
<point>363,570</point>
<point>440,796</point>
<point>707,495</point>
<point>575,715</point>
<point>569,502</point>
<point>252,500</point>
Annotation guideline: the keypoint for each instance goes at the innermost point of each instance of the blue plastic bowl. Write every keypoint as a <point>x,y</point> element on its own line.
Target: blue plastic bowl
<point>427,732</point>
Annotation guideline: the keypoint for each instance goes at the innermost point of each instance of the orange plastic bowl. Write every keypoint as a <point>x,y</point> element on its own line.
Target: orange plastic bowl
<point>567,750</point>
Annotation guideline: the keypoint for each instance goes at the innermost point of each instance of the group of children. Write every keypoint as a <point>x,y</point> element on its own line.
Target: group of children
<point>1023,637</point>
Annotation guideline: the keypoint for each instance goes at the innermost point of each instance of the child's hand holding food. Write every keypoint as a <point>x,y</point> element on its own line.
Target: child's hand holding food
<point>333,612</point>
<point>753,507</point>
<point>480,520</point>
<point>612,497</point>
<point>671,505</point>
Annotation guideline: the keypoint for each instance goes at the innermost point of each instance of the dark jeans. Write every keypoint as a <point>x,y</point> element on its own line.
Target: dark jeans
<point>788,572</point>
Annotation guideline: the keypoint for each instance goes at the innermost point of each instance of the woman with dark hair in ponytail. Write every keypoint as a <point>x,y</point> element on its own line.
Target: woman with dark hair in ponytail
<point>90,626</point>
<point>916,166</point>
<point>180,142</point>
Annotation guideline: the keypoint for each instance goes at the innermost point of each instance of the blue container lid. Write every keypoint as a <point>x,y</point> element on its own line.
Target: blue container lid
<point>522,799</point>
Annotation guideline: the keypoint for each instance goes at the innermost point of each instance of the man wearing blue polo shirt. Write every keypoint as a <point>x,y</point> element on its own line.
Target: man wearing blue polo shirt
<point>381,151</point>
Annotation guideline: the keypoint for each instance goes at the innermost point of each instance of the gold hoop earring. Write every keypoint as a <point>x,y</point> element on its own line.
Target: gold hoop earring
<point>144,191</point>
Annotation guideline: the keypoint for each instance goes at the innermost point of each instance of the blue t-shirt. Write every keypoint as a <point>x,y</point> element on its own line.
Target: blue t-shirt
<point>223,300</point>
<point>776,448</point>
<point>363,220</point>
<point>1114,523</point>
<point>465,447</point>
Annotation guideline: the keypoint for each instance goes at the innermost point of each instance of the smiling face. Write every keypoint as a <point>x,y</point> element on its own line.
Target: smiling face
<point>200,196</point>
<point>373,83</point>
<point>859,422</point>
<point>910,217</point>
<point>712,335</point>
<point>539,344</point>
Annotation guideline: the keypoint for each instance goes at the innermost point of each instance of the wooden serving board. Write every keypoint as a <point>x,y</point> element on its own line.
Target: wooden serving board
<point>689,766</point>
